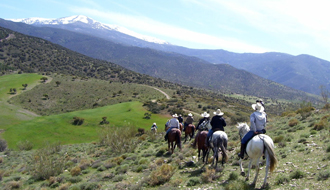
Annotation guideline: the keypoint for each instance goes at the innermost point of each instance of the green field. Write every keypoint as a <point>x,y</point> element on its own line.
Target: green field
<point>21,125</point>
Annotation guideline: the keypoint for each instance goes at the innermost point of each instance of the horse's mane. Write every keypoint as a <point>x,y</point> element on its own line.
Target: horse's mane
<point>244,124</point>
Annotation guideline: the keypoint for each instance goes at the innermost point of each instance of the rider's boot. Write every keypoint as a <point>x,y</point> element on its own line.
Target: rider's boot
<point>166,137</point>
<point>241,154</point>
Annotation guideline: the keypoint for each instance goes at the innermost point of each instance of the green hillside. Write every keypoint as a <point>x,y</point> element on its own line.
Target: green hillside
<point>59,128</point>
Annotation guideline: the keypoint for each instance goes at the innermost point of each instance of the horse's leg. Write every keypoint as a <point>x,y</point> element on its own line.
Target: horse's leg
<point>267,168</point>
<point>248,174</point>
<point>216,156</point>
<point>257,172</point>
<point>168,145</point>
<point>241,167</point>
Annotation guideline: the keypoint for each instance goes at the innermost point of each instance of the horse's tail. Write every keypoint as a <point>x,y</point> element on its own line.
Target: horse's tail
<point>224,151</point>
<point>178,138</point>
<point>271,153</point>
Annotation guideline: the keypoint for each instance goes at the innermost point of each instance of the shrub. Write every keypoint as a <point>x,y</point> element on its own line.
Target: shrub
<point>297,174</point>
<point>278,139</point>
<point>117,140</point>
<point>193,181</point>
<point>161,175</point>
<point>208,175</point>
<point>237,184</point>
<point>321,124</point>
<point>3,145</point>
<point>233,176</point>
<point>302,140</point>
<point>328,148</point>
<point>24,145</point>
<point>75,179</point>
<point>78,121</point>
<point>75,171</point>
<point>293,122</point>
<point>45,164</point>
<point>281,179</point>
<point>323,175</point>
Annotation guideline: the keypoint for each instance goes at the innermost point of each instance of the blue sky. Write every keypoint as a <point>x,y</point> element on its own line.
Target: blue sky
<point>255,26</point>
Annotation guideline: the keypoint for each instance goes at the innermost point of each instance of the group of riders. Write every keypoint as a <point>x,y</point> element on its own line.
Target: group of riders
<point>258,121</point>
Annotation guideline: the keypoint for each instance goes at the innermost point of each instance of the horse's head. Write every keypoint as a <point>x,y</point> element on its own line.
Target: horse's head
<point>243,129</point>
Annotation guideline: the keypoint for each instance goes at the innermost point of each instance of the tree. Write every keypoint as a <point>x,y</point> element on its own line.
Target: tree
<point>324,93</point>
<point>58,83</point>
<point>44,79</point>
<point>24,85</point>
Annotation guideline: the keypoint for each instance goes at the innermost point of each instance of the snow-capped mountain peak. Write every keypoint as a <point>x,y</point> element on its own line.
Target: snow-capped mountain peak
<point>88,21</point>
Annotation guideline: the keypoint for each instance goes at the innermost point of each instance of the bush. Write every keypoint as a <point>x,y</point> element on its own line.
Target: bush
<point>117,140</point>
<point>297,174</point>
<point>281,179</point>
<point>193,181</point>
<point>323,175</point>
<point>321,124</point>
<point>278,139</point>
<point>161,175</point>
<point>25,145</point>
<point>293,122</point>
<point>75,171</point>
<point>46,163</point>
<point>78,121</point>
<point>208,175</point>
<point>3,145</point>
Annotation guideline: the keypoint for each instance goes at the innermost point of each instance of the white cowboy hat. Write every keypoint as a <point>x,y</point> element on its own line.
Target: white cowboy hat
<point>258,107</point>
<point>218,112</point>
<point>190,114</point>
<point>205,114</point>
<point>175,115</point>
<point>154,123</point>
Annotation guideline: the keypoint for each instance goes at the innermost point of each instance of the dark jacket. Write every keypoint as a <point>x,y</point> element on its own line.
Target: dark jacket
<point>218,122</point>
<point>180,119</point>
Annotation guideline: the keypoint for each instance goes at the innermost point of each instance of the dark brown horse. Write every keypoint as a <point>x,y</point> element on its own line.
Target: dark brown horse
<point>201,144</point>
<point>174,138</point>
<point>189,131</point>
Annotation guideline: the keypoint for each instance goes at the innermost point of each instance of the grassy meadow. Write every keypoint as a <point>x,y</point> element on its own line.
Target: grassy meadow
<point>64,156</point>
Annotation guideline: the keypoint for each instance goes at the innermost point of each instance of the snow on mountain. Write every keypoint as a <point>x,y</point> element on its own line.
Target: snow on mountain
<point>92,23</point>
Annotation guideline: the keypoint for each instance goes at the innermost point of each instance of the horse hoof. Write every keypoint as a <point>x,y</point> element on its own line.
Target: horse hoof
<point>242,173</point>
<point>252,185</point>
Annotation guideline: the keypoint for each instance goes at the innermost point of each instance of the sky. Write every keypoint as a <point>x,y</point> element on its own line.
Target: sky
<point>241,26</point>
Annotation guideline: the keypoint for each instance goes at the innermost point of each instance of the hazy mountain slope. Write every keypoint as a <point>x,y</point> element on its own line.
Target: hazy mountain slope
<point>170,66</point>
<point>301,72</point>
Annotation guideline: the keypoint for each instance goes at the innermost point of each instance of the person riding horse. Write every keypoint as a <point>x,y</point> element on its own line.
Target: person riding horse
<point>258,121</point>
<point>188,121</point>
<point>217,123</point>
<point>172,124</point>
<point>206,117</point>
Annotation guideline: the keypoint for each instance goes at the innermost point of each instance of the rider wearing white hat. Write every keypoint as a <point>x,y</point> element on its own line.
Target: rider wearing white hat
<point>258,121</point>
<point>217,123</point>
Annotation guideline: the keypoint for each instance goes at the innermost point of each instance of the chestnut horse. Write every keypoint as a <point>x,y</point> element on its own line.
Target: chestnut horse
<point>174,138</point>
<point>201,144</point>
<point>189,131</point>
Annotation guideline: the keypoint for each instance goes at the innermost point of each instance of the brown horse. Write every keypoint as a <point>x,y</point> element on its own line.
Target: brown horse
<point>201,144</point>
<point>189,131</point>
<point>174,136</point>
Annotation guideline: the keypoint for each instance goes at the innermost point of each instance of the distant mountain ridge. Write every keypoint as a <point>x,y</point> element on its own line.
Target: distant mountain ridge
<point>79,22</point>
<point>302,72</point>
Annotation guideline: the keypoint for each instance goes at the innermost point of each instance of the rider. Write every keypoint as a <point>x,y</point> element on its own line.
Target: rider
<point>180,119</point>
<point>188,121</point>
<point>217,123</point>
<point>154,125</point>
<point>172,123</point>
<point>206,117</point>
<point>258,123</point>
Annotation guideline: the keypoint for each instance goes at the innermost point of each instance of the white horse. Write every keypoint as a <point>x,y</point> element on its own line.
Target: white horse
<point>154,129</point>
<point>219,142</point>
<point>256,147</point>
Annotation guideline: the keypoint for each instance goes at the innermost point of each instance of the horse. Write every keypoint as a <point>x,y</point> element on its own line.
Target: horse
<point>201,138</point>
<point>256,147</point>
<point>219,142</point>
<point>154,130</point>
<point>189,131</point>
<point>174,136</point>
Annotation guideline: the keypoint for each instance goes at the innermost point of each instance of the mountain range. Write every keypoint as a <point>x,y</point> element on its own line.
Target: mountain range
<point>79,35</point>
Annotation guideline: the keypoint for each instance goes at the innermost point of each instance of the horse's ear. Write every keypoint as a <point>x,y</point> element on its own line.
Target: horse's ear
<point>239,125</point>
